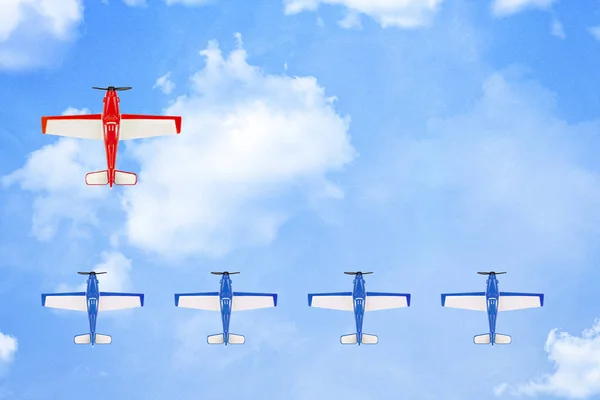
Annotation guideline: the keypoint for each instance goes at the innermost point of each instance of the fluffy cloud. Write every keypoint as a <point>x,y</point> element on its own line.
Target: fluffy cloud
<point>248,139</point>
<point>8,347</point>
<point>57,173</point>
<point>135,3</point>
<point>595,32</point>
<point>25,24</point>
<point>508,164</point>
<point>577,367</point>
<point>388,13</point>
<point>116,279</point>
<point>164,84</point>
<point>557,29</point>
<point>503,8</point>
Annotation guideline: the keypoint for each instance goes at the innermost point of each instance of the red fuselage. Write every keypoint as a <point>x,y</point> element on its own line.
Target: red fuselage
<point>111,118</point>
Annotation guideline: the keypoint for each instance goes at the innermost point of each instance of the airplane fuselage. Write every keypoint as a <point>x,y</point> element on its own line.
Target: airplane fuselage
<point>358,299</point>
<point>225,299</point>
<point>92,297</point>
<point>111,119</point>
<point>491,297</point>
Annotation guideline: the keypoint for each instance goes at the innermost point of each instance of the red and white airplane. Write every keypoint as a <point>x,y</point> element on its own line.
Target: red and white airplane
<point>111,126</point>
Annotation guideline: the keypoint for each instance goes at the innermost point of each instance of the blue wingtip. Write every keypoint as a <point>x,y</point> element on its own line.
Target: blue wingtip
<point>443,299</point>
<point>176,300</point>
<point>275,299</point>
<point>43,299</point>
<point>142,300</point>
<point>542,300</point>
<point>408,299</point>
<point>309,300</point>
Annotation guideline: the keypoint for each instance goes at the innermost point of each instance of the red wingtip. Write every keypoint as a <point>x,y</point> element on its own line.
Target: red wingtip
<point>44,124</point>
<point>178,124</point>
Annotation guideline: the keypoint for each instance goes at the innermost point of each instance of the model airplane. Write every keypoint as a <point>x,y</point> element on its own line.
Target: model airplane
<point>111,126</point>
<point>226,301</point>
<point>492,301</point>
<point>93,301</point>
<point>359,301</point>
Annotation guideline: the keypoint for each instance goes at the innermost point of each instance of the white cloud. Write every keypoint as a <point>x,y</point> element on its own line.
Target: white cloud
<point>135,3</point>
<point>57,171</point>
<point>577,367</point>
<point>8,347</point>
<point>351,20</point>
<point>507,163</point>
<point>595,32</point>
<point>29,27</point>
<point>557,29</point>
<point>248,139</point>
<point>388,13</point>
<point>187,2</point>
<point>116,279</point>
<point>503,8</point>
<point>164,84</point>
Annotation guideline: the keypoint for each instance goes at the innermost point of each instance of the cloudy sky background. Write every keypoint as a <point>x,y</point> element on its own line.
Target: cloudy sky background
<point>423,140</point>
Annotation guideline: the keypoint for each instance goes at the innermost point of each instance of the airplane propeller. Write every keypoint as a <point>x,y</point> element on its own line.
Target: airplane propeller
<point>491,273</point>
<point>358,272</point>
<point>113,88</point>
<point>91,273</point>
<point>224,273</point>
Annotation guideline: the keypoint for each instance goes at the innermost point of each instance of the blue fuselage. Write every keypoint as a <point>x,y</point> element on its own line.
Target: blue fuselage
<point>358,298</point>
<point>491,297</point>
<point>225,298</point>
<point>92,297</point>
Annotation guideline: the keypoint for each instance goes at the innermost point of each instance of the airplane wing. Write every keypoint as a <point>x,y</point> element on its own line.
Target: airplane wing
<point>201,301</point>
<point>250,301</point>
<point>119,301</point>
<point>510,301</point>
<point>334,301</point>
<point>76,126</point>
<point>467,301</point>
<point>135,126</point>
<point>67,301</point>
<point>385,301</point>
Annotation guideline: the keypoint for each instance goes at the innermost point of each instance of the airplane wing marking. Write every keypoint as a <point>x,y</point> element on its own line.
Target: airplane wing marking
<point>250,301</point>
<point>385,301</point>
<point>334,301</point>
<point>509,301</point>
<point>136,126</point>
<point>201,301</point>
<point>67,301</point>
<point>87,126</point>
<point>468,301</point>
<point>110,301</point>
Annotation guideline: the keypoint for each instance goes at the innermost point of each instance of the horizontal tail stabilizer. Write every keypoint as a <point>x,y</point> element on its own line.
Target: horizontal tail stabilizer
<point>236,339</point>
<point>216,339</point>
<point>83,339</point>
<point>502,339</point>
<point>482,339</point>
<point>125,178</point>
<point>103,339</point>
<point>365,338</point>
<point>97,178</point>
<point>349,339</point>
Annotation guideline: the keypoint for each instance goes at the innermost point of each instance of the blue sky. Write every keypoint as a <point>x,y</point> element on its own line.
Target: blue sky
<point>421,140</point>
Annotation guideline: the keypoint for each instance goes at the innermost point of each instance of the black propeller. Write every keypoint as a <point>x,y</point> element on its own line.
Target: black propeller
<point>113,88</point>
<point>358,272</point>
<point>491,273</point>
<point>224,273</point>
<point>91,273</point>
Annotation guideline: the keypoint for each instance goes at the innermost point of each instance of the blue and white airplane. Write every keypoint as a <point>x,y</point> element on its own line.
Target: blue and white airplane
<point>492,301</point>
<point>226,301</point>
<point>93,301</point>
<point>359,301</point>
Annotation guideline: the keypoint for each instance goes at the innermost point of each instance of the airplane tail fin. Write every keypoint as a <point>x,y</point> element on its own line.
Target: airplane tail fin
<point>369,339</point>
<point>83,339</point>
<point>125,178</point>
<point>482,339</point>
<point>502,339</point>
<point>232,338</point>
<point>97,178</point>
<point>103,339</point>
<point>349,339</point>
